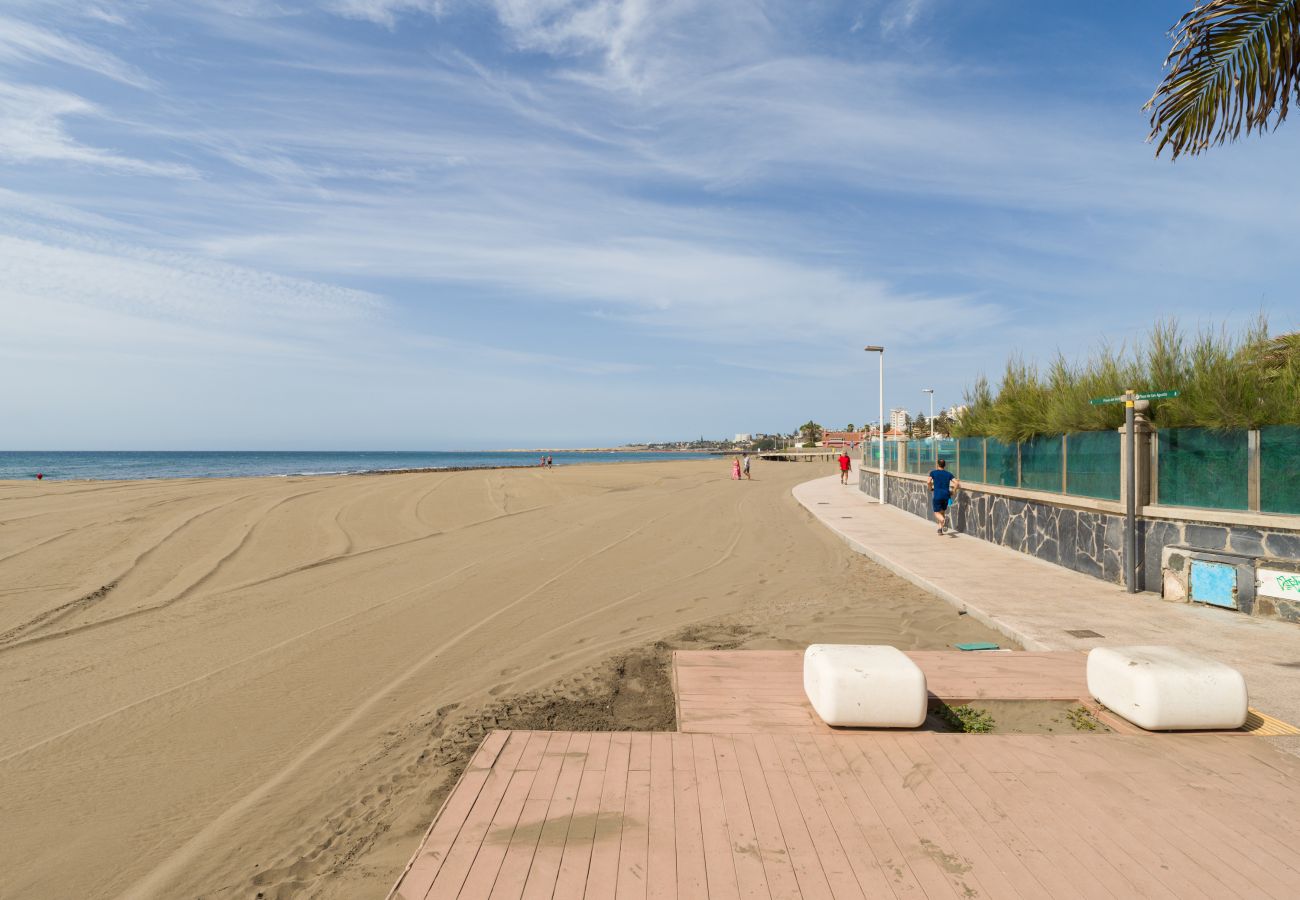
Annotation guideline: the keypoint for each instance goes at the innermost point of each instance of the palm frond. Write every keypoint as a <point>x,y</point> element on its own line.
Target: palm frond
<point>1234,65</point>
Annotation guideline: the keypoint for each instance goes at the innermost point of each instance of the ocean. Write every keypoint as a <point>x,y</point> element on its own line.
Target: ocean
<point>131,464</point>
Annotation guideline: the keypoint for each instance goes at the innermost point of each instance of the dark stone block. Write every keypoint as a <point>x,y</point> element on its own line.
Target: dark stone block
<point>1049,550</point>
<point>1114,533</point>
<point>1067,526</point>
<point>1088,565</point>
<point>1207,537</point>
<point>1015,536</point>
<point>1247,541</point>
<point>1282,546</point>
<point>1154,536</point>
<point>1112,569</point>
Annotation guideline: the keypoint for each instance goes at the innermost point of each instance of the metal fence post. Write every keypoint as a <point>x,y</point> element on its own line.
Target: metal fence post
<point>1065,464</point>
<point>1252,470</point>
<point>984,461</point>
<point>1155,469</point>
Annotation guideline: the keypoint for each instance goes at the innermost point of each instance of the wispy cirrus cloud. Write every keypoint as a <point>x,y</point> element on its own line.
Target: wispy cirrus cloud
<point>33,128</point>
<point>26,42</point>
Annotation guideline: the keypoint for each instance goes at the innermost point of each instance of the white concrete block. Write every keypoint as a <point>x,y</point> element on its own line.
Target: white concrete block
<point>864,686</point>
<point>1166,689</point>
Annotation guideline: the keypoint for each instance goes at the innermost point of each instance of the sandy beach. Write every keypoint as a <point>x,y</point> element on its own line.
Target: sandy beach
<point>264,687</point>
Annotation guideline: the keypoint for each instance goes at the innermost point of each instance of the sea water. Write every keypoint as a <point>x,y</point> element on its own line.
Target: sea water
<point>129,464</point>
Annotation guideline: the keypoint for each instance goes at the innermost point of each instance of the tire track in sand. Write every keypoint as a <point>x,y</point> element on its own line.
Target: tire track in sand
<point>153,882</point>
<point>14,637</point>
<point>495,560</point>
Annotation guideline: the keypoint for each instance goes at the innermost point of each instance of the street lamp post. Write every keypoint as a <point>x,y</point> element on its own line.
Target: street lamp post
<point>881,350</point>
<point>934,453</point>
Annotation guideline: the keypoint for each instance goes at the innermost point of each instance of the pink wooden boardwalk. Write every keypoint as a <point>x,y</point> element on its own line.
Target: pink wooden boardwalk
<point>921,815</point>
<point>754,797</point>
<point>761,691</point>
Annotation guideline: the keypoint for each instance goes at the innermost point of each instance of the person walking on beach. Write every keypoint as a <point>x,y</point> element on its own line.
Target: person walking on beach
<point>550,462</point>
<point>735,469</point>
<point>745,467</point>
<point>846,466</point>
<point>942,483</point>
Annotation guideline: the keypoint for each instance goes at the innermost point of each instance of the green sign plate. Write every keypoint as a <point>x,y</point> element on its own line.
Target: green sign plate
<point>1140,395</point>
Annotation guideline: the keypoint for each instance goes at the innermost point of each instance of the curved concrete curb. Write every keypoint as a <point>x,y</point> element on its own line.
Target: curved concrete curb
<point>807,499</point>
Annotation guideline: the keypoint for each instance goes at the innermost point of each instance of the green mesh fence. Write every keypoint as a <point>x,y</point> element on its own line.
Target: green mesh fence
<point>922,458</point>
<point>946,448</point>
<point>1093,464</point>
<point>1279,463</point>
<point>918,457</point>
<point>891,455</point>
<point>1040,464</point>
<point>971,459</point>
<point>1001,463</point>
<point>1203,467</point>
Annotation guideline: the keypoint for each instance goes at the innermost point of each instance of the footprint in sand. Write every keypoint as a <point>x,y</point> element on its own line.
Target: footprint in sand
<point>510,670</point>
<point>499,689</point>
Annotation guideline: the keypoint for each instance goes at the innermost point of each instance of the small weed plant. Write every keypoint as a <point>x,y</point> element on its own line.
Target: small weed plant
<point>1082,719</point>
<point>967,718</point>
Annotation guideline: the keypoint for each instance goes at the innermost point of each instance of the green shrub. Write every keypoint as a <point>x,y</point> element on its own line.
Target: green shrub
<point>1226,381</point>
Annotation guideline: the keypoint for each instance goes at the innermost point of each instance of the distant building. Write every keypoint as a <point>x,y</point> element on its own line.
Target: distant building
<point>843,438</point>
<point>742,439</point>
<point>898,419</point>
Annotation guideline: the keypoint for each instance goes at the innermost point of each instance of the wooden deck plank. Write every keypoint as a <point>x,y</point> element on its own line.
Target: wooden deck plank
<point>880,802</point>
<point>771,845</point>
<point>555,829</point>
<point>946,845</point>
<point>442,832</point>
<point>715,837</point>
<point>576,858</point>
<point>865,836</point>
<point>836,866</point>
<point>634,846</point>
<point>1133,852</point>
<point>760,758</point>
<point>469,840</point>
<point>991,860</point>
<point>547,760</point>
<point>998,814</point>
<point>1136,778</point>
<point>424,867</point>
<point>661,870</point>
<point>1221,851</point>
<point>692,874</point>
<point>483,873</point>
<point>754,691</point>
<point>602,873</point>
<point>904,814</point>
<point>745,849</point>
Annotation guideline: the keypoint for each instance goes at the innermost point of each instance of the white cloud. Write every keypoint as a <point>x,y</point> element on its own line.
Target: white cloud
<point>79,270</point>
<point>32,129</point>
<point>25,42</point>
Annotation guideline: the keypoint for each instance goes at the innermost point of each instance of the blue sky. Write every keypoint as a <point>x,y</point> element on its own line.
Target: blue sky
<point>475,223</point>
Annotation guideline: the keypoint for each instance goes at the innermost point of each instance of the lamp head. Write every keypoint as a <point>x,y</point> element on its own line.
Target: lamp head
<point>874,349</point>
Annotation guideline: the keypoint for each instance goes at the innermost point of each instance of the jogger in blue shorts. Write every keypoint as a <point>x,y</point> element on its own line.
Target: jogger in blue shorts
<point>942,483</point>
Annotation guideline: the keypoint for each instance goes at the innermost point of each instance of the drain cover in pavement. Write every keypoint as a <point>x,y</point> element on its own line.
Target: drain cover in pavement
<point>1084,632</point>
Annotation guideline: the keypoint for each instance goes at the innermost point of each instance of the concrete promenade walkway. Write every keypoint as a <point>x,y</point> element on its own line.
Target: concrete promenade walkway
<point>1038,604</point>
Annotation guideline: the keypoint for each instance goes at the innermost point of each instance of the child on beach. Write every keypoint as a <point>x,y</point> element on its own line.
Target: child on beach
<point>745,467</point>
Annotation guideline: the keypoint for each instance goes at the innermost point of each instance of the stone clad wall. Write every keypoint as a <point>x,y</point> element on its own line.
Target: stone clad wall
<point>1084,540</point>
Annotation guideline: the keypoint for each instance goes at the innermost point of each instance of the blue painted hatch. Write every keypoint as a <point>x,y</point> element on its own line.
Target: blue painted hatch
<point>1214,583</point>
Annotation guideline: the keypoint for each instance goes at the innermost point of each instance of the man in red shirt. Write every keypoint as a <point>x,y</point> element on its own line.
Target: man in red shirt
<point>846,465</point>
